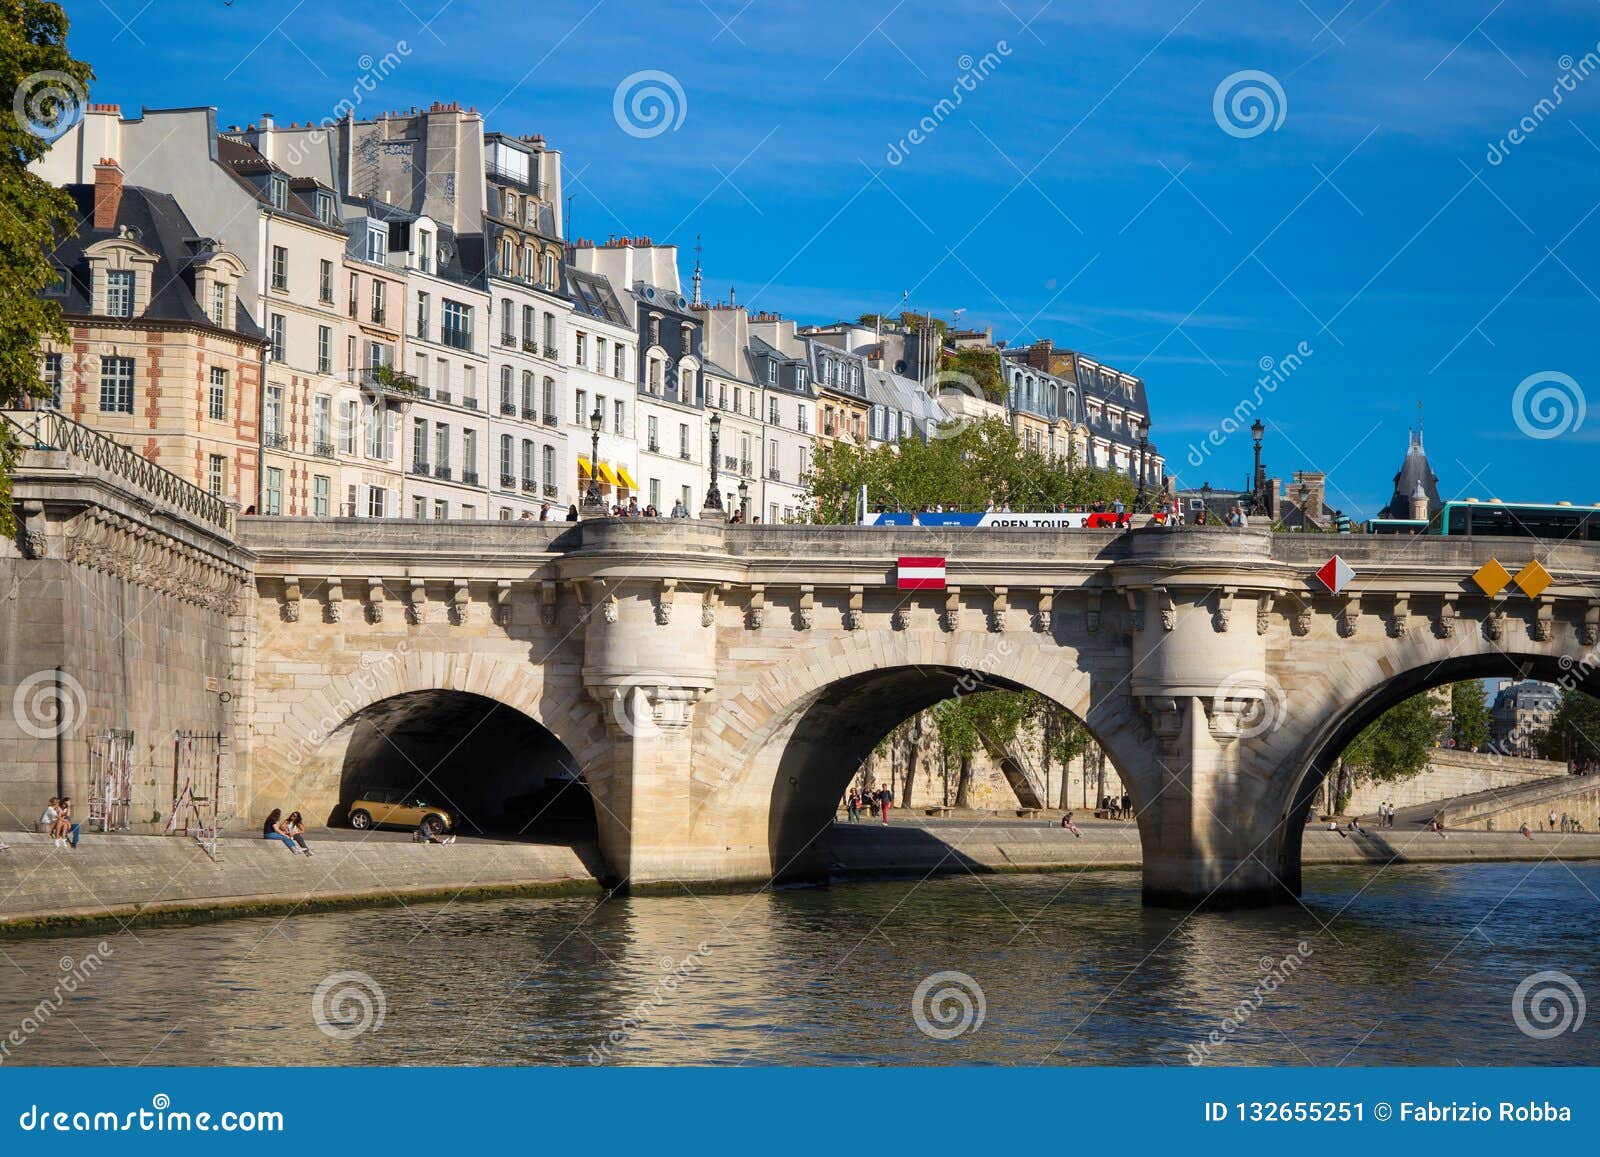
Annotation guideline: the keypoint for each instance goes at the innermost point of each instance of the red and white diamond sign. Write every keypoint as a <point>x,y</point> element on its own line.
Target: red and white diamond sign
<point>1335,574</point>
<point>920,574</point>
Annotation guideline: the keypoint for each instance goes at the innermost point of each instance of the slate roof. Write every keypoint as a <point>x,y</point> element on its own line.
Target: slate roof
<point>593,295</point>
<point>1414,471</point>
<point>157,222</point>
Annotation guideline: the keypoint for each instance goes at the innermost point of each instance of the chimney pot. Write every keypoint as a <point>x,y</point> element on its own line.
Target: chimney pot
<point>107,193</point>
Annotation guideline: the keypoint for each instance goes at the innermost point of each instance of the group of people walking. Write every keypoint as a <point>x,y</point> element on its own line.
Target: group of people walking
<point>875,803</point>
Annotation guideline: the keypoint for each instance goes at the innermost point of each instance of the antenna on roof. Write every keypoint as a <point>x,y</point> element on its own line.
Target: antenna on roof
<point>697,247</point>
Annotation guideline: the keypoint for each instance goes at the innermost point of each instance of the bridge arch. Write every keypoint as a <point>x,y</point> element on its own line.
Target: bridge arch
<point>399,717</point>
<point>1356,705</point>
<point>794,735</point>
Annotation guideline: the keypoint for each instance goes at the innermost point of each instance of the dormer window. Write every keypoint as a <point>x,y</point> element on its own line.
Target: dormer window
<point>800,377</point>
<point>377,244</point>
<point>424,251</point>
<point>325,208</point>
<point>219,304</point>
<point>278,191</point>
<point>119,293</point>
<point>57,286</point>
<point>772,372</point>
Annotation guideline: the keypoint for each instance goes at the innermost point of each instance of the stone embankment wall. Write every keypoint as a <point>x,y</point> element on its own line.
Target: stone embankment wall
<point>1451,774</point>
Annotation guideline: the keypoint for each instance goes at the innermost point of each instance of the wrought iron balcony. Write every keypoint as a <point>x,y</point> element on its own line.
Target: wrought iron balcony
<point>549,419</point>
<point>746,467</point>
<point>654,446</point>
<point>442,472</point>
<point>323,449</point>
<point>775,474</point>
<point>388,380</point>
<point>442,396</point>
<point>509,409</point>
<point>529,346</point>
<point>508,482</point>
<point>470,477</point>
<point>529,414</point>
<point>470,403</point>
<point>529,486</point>
<point>549,489</point>
<point>420,468</point>
<point>273,440</point>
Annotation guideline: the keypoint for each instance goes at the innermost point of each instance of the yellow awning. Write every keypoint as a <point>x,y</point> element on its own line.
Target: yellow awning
<point>609,474</point>
<point>583,468</point>
<point>627,479</point>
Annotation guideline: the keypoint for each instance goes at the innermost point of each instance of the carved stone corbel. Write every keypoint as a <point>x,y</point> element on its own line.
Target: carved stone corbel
<point>807,609</point>
<point>1045,613</point>
<point>664,596</point>
<point>1301,624</point>
<point>460,603</point>
<point>951,615</point>
<point>852,611</point>
<point>1589,633</point>
<point>1494,626</point>
<point>757,612</point>
<point>417,603</point>
<point>1544,627</point>
<point>1264,613</point>
<point>709,600</point>
<point>1224,615</point>
<point>291,599</point>
<point>549,592</point>
<point>1447,617</point>
<point>34,542</point>
<point>1164,604</point>
<point>335,594</point>
<point>502,602</point>
<point>375,600</point>
<point>1091,614</point>
<point>608,607</point>
<point>1135,610</point>
<point>997,614</point>
<point>1350,617</point>
<point>1399,617</point>
<point>900,618</point>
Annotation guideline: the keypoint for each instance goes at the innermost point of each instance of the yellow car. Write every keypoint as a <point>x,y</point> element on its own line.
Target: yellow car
<point>397,809</point>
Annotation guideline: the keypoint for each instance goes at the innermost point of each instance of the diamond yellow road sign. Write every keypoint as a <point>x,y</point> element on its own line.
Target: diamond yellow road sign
<point>1491,577</point>
<point>1533,579</point>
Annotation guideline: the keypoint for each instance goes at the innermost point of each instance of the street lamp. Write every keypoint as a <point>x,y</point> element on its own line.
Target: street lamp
<point>744,499</point>
<point>1205,501</point>
<point>1257,481</point>
<point>592,497</point>
<point>1144,445</point>
<point>713,506</point>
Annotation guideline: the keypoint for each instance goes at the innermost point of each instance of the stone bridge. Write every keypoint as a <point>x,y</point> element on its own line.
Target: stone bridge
<point>716,686</point>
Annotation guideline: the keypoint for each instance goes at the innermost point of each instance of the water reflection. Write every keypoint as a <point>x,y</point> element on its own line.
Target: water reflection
<point>1410,966</point>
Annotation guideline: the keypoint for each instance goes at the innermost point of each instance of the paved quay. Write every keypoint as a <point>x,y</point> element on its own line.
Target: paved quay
<point>113,880</point>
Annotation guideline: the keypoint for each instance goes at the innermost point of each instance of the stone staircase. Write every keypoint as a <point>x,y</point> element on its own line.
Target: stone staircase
<point>1506,807</point>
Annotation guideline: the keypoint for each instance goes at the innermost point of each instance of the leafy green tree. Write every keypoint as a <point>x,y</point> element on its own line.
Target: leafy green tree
<point>1392,748</point>
<point>35,214</point>
<point>1469,715</point>
<point>987,719</point>
<point>1574,733</point>
<point>967,467</point>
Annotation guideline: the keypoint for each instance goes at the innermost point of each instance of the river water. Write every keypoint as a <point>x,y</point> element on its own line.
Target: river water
<point>1414,965</point>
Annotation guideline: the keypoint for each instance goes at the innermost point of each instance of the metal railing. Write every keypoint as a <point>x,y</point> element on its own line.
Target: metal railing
<point>50,430</point>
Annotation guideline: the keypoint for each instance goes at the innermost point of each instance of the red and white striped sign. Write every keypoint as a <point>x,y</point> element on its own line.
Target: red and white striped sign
<point>920,574</point>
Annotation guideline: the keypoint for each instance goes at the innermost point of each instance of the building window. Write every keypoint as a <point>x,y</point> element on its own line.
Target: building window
<point>325,282</point>
<point>355,294</point>
<point>507,403</point>
<point>324,349</point>
<point>469,386</point>
<point>619,412</point>
<point>528,479</point>
<point>469,455</point>
<point>217,476</point>
<point>219,304</point>
<point>456,325</point>
<point>580,409</point>
<point>441,449</point>
<point>581,349</point>
<point>507,464</point>
<point>772,372</point>
<point>549,410</point>
<point>618,361</point>
<point>419,443</point>
<point>549,454</point>
<point>273,502</point>
<point>278,339</point>
<point>530,403</point>
<point>683,441</point>
<point>217,396</point>
<point>325,208</point>
<point>349,420</point>
<point>652,434</point>
<point>655,493</point>
<point>527,327</point>
<point>280,268</point>
<point>379,302</point>
<point>278,191</point>
<point>377,245</point>
<point>53,377</point>
<point>377,502</point>
<point>424,251</point>
<point>119,293</point>
<point>655,376</point>
<point>800,377</point>
<point>321,489</point>
<point>422,316</point>
<point>772,412</point>
<point>272,419</point>
<point>116,385</point>
<point>508,325</point>
<point>549,333</point>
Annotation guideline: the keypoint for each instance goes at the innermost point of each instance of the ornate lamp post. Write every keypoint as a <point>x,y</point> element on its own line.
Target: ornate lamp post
<point>744,499</point>
<point>1205,501</point>
<point>1257,482</point>
<point>593,505</point>
<point>1144,447</point>
<point>713,504</point>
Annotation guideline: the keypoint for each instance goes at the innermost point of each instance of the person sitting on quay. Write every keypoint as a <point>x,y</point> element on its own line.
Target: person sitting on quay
<point>64,830</point>
<point>426,835</point>
<point>47,818</point>
<point>1066,822</point>
<point>274,829</point>
<point>295,828</point>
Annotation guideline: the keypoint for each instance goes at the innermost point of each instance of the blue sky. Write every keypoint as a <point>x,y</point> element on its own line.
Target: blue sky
<point>1084,189</point>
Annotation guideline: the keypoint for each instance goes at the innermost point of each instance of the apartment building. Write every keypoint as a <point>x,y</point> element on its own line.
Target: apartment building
<point>603,379</point>
<point>163,356</point>
<point>782,361</point>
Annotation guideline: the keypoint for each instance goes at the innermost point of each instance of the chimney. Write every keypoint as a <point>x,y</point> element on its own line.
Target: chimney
<point>107,193</point>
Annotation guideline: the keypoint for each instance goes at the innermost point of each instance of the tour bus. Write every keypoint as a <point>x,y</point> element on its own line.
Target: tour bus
<point>1466,517</point>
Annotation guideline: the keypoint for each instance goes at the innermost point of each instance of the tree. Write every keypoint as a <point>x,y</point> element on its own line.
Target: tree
<point>983,718</point>
<point>1469,715</point>
<point>1393,747</point>
<point>37,215</point>
<point>1574,733</point>
<point>966,467</point>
